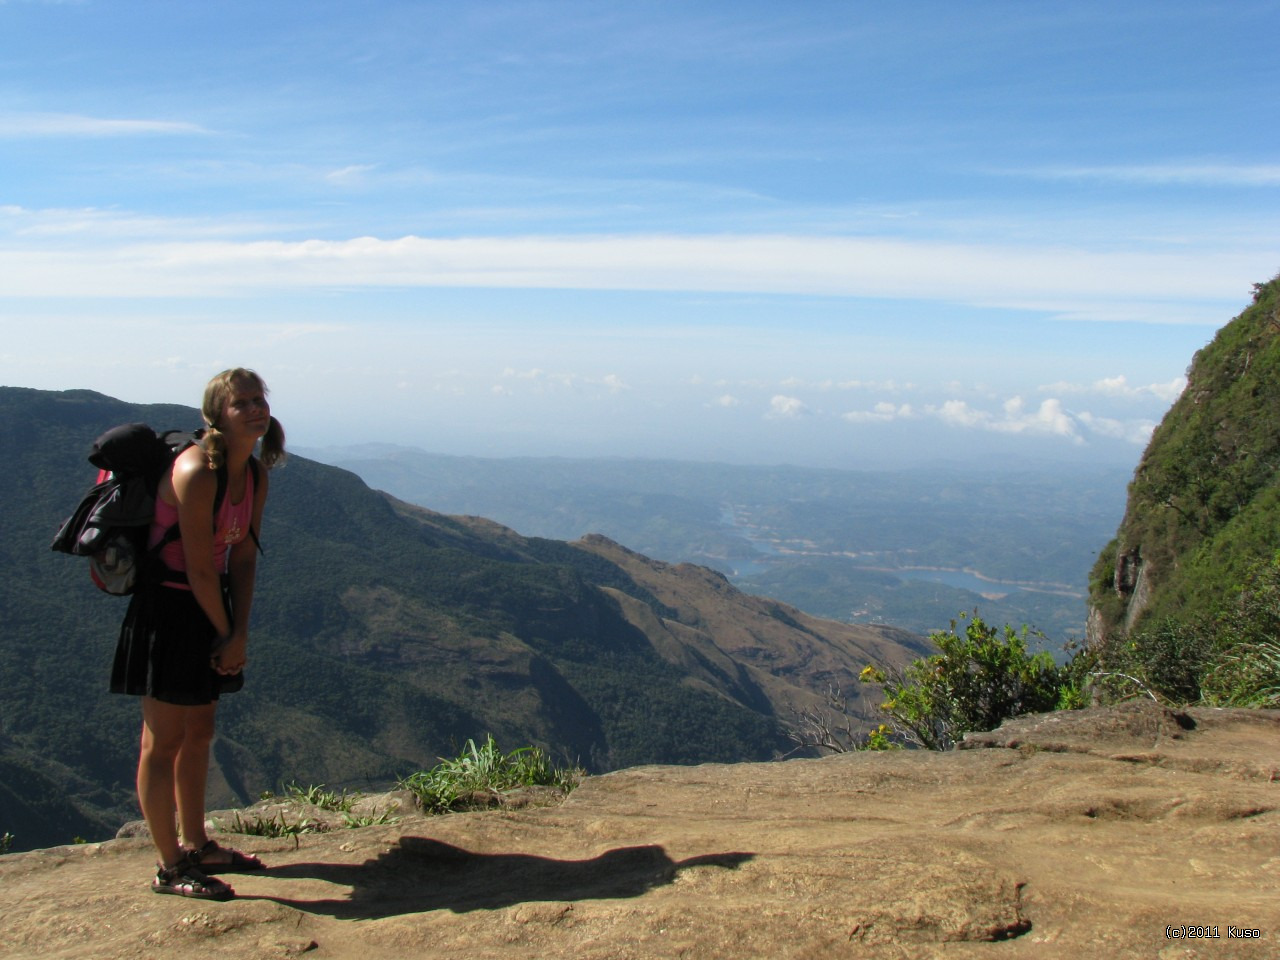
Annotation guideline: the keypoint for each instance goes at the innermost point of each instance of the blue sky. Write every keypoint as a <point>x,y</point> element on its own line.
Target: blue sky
<point>826,233</point>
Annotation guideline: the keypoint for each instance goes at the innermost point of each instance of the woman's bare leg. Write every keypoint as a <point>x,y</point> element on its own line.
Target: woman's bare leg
<point>191,773</point>
<point>163,730</point>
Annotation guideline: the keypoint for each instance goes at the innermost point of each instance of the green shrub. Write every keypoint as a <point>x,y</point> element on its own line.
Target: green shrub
<point>836,727</point>
<point>277,826</point>
<point>314,795</point>
<point>879,737</point>
<point>1169,657</point>
<point>1246,670</point>
<point>981,677</point>
<point>484,769</point>
<point>1228,657</point>
<point>318,796</point>
<point>1245,675</point>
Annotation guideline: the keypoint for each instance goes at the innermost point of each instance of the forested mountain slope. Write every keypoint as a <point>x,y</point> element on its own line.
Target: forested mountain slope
<point>1204,504</point>
<point>384,636</point>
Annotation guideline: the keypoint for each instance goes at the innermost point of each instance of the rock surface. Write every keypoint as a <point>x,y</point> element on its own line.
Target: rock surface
<point>1066,835</point>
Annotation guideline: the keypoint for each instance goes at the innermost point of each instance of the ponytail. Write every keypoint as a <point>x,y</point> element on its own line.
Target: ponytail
<point>273,454</point>
<point>214,445</point>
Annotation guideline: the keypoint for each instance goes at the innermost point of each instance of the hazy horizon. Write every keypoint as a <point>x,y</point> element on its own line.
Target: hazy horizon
<point>723,232</point>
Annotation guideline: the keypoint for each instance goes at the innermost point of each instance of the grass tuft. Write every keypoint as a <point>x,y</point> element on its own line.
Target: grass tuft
<point>483,768</point>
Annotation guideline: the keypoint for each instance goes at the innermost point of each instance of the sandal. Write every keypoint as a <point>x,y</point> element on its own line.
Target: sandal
<point>184,879</point>
<point>236,861</point>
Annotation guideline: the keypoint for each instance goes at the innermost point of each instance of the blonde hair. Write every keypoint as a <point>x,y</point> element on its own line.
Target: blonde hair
<point>216,394</point>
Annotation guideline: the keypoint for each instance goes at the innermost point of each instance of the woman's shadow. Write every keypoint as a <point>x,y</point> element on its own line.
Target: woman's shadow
<point>420,874</point>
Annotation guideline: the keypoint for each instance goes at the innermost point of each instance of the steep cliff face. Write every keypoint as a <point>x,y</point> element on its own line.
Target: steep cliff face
<point>1204,502</point>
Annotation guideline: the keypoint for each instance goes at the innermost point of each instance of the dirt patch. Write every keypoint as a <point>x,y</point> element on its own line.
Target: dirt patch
<point>1099,834</point>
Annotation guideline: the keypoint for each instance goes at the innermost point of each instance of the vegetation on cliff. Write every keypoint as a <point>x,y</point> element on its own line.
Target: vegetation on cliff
<point>980,677</point>
<point>1184,599</point>
<point>1228,655</point>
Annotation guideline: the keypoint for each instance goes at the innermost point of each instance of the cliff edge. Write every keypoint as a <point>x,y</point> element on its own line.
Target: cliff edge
<point>1122,832</point>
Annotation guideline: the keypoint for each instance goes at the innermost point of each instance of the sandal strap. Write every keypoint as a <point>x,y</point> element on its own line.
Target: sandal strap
<point>236,861</point>
<point>188,880</point>
<point>196,854</point>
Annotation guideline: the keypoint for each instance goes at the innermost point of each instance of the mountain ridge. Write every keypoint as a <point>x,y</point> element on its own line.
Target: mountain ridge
<point>384,636</point>
<point>842,544</point>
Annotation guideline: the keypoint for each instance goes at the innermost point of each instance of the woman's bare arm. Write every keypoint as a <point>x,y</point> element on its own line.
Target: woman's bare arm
<point>195,487</point>
<point>242,568</point>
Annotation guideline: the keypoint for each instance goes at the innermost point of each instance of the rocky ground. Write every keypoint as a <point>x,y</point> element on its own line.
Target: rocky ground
<point>1132,832</point>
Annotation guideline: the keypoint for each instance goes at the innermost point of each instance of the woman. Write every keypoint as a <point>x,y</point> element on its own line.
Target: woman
<point>184,641</point>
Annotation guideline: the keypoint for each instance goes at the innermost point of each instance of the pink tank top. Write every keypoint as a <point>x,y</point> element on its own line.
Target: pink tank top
<point>233,520</point>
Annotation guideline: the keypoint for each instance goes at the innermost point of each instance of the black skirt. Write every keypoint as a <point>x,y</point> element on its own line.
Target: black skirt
<point>165,650</point>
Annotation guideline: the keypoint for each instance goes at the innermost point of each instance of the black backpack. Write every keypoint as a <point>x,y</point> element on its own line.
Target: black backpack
<point>113,521</point>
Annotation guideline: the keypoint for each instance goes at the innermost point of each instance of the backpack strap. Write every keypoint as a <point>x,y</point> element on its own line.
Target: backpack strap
<point>257,476</point>
<point>220,494</point>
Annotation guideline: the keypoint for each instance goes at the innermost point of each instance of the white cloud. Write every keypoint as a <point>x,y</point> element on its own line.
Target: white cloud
<point>1049,419</point>
<point>97,228</point>
<point>349,175</point>
<point>1131,431</point>
<point>882,412</point>
<point>882,386</point>
<point>544,379</point>
<point>1200,174</point>
<point>727,401</point>
<point>787,408</point>
<point>879,386</point>
<point>532,374</point>
<point>1081,283</point>
<point>16,125</point>
<point>1119,386</point>
<point>1168,392</point>
<point>960,414</point>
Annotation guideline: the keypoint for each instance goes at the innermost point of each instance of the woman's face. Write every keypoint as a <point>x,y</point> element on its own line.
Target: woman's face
<point>246,411</point>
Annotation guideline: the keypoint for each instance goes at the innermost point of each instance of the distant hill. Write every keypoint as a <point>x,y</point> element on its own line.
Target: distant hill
<point>858,546</point>
<point>384,636</point>
<point>1204,503</point>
